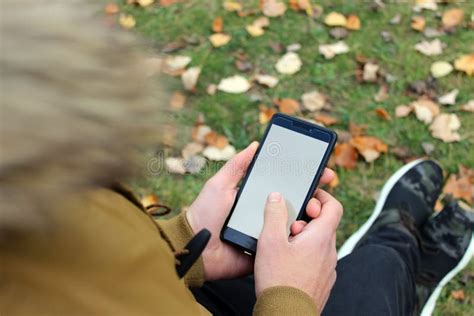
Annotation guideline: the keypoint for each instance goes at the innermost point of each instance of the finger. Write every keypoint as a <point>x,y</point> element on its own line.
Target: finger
<point>297,227</point>
<point>231,173</point>
<point>331,213</point>
<point>313,209</point>
<point>328,176</point>
<point>275,218</point>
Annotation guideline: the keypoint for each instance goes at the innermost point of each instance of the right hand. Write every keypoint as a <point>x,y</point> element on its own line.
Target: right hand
<point>306,261</point>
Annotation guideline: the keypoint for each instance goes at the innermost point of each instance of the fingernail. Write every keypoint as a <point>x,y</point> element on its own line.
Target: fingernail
<point>274,197</point>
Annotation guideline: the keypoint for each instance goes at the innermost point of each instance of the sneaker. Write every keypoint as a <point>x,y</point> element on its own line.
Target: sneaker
<point>414,188</point>
<point>447,246</point>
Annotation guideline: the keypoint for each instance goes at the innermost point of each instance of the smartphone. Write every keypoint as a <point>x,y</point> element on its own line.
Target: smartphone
<point>290,160</point>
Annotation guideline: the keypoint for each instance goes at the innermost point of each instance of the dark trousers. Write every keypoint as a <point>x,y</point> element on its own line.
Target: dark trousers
<point>377,278</point>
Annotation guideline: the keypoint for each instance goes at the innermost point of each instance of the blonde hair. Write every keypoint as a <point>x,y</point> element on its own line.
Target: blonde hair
<point>75,105</point>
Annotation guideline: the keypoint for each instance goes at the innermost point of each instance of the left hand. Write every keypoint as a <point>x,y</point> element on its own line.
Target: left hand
<point>212,207</point>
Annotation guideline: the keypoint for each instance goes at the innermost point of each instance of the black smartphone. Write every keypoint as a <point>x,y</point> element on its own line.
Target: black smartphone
<point>290,159</point>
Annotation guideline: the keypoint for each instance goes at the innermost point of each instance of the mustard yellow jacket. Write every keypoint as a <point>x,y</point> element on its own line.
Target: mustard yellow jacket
<point>101,254</point>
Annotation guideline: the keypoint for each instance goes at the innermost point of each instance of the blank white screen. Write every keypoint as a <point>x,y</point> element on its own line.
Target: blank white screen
<point>287,163</point>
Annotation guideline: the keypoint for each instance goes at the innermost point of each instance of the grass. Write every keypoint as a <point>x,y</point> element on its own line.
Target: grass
<point>236,116</point>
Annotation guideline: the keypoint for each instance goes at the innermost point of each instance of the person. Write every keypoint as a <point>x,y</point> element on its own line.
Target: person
<point>76,114</point>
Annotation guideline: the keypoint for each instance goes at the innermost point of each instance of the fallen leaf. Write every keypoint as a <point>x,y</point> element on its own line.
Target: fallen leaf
<point>432,32</point>
<point>335,19</point>
<point>426,87</point>
<point>178,100</point>
<point>219,39</point>
<point>273,8</point>
<point>288,106</point>
<point>265,114</point>
<point>167,3</point>
<point>449,98</point>
<point>149,200</point>
<point>331,50</point>
<point>267,80</point>
<point>401,152</point>
<point>345,156</point>
<point>111,8</point>
<point>145,3</point>
<point>218,25</point>
<point>458,295</point>
<point>403,110</point>
<point>338,32</point>
<point>211,89</point>
<point>353,22</point>
<point>425,110</point>
<point>194,164</point>
<point>428,148</point>
<point>382,113</point>
<point>232,6</point>
<point>452,17</point>
<point>174,46</point>
<point>334,182</point>
<point>469,106</point>
<point>190,78</point>
<point>440,69</point>
<point>175,165</point>
<point>314,100</point>
<point>127,21</point>
<point>191,149</point>
<point>396,19</point>
<point>425,5</point>
<point>461,186</point>
<point>254,31</point>
<point>262,22</point>
<point>176,63</point>
<point>327,120</point>
<point>216,154</point>
<point>418,23</point>
<point>199,133</point>
<point>382,94</point>
<point>444,127</point>
<point>433,48</point>
<point>289,64</point>
<point>216,140</point>
<point>370,72</point>
<point>234,84</point>
<point>369,147</point>
<point>293,47</point>
<point>465,63</point>
<point>357,130</point>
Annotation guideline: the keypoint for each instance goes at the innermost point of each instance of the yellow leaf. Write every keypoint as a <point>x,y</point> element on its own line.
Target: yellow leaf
<point>452,17</point>
<point>440,69</point>
<point>254,30</point>
<point>273,8</point>
<point>353,22</point>
<point>219,39</point>
<point>232,6</point>
<point>127,21</point>
<point>418,23</point>
<point>145,3</point>
<point>265,114</point>
<point>465,63</point>
<point>335,19</point>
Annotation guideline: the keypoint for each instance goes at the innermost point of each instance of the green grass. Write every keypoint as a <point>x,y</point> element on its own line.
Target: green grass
<point>236,116</point>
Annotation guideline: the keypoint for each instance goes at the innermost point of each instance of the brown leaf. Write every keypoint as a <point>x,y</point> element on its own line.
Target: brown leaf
<point>369,147</point>
<point>325,119</point>
<point>334,182</point>
<point>178,100</point>
<point>418,23</point>
<point>403,110</point>
<point>265,114</point>
<point>273,8</point>
<point>353,22</point>
<point>468,107</point>
<point>219,39</point>
<point>218,25</point>
<point>149,200</point>
<point>216,140</point>
<point>382,94</point>
<point>458,295</point>
<point>445,127</point>
<point>288,106</point>
<point>199,132</point>
<point>425,110</point>
<point>111,8</point>
<point>191,149</point>
<point>357,130</point>
<point>173,46</point>
<point>166,3</point>
<point>345,155</point>
<point>401,152</point>
<point>382,113</point>
<point>232,6</point>
<point>465,63</point>
<point>460,187</point>
<point>452,17</point>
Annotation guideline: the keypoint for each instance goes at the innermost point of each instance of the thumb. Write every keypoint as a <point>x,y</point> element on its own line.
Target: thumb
<point>275,218</point>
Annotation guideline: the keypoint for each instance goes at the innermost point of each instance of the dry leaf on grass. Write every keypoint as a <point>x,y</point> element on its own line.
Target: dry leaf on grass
<point>216,140</point>
<point>175,165</point>
<point>425,110</point>
<point>273,8</point>
<point>458,295</point>
<point>176,64</point>
<point>382,94</point>
<point>331,50</point>
<point>335,19</point>
<point>211,89</point>
<point>314,100</point>
<point>254,31</point>
<point>167,3</point>
<point>327,120</point>
<point>334,182</point>
<point>144,3</point>
<point>199,133</point>
<point>267,80</point>
<point>461,186</point>
<point>444,127</point>
<point>191,149</point>
<point>433,48</point>
<point>452,17</point>
<point>127,21</point>
<point>465,63</point>
<point>353,22</point>
<point>370,72</point>
<point>234,84</point>
<point>440,69</point>
<point>190,78</point>
<point>382,113</point>
<point>345,156</point>
<point>218,25</point>
<point>194,164</point>
<point>425,5</point>
<point>369,147</point>
<point>217,154</point>
<point>357,130</point>
<point>265,114</point>
<point>287,105</point>
<point>449,98</point>
<point>403,110</point>
<point>178,100</point>
<point>468,107</point>
<point>418,23</point>
<point>111,8</point>
<point>219,39</point>
<point>232,6</point>
<point>289,64</point>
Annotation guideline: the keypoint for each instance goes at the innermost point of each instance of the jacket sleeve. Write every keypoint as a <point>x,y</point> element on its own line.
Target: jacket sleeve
<point>284,300</point>
<point>177,232</point>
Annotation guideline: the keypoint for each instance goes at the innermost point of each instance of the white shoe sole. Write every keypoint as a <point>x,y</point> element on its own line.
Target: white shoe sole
<point>350,243</point>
